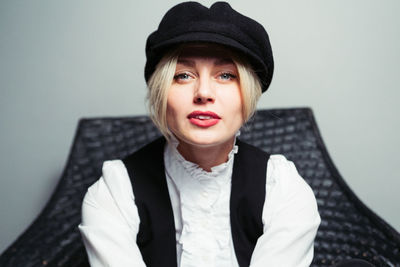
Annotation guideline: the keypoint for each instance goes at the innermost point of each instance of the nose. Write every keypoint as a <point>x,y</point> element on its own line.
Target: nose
<point>204,92</point>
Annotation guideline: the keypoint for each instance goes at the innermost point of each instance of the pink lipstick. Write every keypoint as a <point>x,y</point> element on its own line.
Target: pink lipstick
<point>203,118</point>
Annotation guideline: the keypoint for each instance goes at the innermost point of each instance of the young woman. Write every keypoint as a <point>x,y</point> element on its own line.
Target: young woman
<point>199,196</point>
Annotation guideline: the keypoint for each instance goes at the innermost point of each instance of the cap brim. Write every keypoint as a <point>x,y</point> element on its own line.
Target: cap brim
<point>210,37</point>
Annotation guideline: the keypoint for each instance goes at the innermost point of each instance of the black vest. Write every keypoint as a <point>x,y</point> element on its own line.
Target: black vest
<point>156,238</point>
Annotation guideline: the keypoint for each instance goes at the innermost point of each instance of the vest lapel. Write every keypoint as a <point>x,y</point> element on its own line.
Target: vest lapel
<point>156,237</point>
<point>247,200</point>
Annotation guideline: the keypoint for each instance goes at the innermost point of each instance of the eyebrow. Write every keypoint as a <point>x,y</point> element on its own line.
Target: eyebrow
<point>218,62</point>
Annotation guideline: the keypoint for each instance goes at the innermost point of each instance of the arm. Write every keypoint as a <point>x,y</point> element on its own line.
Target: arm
<point>110,220</point>
<point>290,218</point>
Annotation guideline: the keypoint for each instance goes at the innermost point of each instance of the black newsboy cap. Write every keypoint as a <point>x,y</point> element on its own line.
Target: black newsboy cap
<point>190,22</point>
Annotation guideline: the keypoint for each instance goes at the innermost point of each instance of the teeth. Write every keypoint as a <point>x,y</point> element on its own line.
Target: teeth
<point>201,117</point>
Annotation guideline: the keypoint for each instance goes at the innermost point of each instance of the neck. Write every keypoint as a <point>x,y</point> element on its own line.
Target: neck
<point>206,156</point>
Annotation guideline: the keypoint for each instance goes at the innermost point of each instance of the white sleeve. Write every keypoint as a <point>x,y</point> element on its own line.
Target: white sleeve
<point>110,219</point>
<point>290,218</point>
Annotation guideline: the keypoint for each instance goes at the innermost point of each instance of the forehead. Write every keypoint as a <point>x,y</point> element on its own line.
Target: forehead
<point>206,51</point>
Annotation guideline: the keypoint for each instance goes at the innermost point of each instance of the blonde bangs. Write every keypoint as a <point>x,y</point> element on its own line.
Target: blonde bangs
<point>157,96</point>
<point>250,88</point>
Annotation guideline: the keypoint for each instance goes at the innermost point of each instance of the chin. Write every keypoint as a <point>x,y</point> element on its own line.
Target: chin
<point>207,140</point>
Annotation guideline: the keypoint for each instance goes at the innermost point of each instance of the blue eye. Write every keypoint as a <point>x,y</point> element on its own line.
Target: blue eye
<point>227,76</point>
<point>182,76</point>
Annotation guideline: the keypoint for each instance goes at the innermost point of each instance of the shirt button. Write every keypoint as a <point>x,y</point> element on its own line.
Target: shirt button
<point>204,194</point>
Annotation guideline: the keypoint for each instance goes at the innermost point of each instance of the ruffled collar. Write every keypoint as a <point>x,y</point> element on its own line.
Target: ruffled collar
<point>194,169</point>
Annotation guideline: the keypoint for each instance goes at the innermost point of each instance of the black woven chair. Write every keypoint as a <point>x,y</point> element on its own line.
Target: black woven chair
<point>348,228</point>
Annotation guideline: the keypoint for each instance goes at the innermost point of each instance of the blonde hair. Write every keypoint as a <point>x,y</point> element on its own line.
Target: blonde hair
<point>161,80</point>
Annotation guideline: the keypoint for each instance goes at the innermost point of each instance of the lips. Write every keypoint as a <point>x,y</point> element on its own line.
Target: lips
<point>203,118</point>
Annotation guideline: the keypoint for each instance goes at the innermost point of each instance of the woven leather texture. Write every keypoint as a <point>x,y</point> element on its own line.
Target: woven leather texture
<point>348,228</point>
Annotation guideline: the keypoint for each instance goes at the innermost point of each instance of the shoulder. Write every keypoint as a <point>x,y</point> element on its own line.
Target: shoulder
<point>283,172</point>
<point>287,189</point>
<point>114,179</point>
<point>111,194</point>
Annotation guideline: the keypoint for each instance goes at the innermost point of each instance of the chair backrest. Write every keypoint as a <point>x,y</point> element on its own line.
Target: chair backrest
<point>348,228</point>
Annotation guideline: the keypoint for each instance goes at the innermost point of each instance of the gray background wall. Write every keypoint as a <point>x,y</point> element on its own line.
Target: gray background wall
<point>63,60</point>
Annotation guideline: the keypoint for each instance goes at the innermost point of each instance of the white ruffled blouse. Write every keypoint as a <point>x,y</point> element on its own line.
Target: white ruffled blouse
<point>200,203</point>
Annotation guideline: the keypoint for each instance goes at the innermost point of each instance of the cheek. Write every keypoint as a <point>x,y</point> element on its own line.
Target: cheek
<point>176,105</point>
<point>173,102</point>
<point>233,101</point>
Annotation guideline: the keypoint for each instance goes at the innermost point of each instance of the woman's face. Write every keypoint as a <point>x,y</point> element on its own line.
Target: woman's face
<point>204,106</point>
